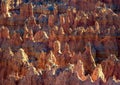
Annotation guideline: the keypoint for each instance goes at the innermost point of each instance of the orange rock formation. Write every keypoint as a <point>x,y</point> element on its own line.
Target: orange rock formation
<point>59,42</point>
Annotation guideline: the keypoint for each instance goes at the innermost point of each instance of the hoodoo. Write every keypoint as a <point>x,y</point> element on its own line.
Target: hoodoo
<point>59,42</point>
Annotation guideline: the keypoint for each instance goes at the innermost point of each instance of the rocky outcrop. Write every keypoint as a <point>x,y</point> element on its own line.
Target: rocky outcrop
<point>26,10</point>
<point>59,42</point>
<point>88,60</point>
<point>111,65</point>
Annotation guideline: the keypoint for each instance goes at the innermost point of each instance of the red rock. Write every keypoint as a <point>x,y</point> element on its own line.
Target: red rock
<point>4,7</point>
<point>16,39</point>
<point>51,20</point>
<point>5,33</point>
<point>57,47</point>
<point>97,73</point>
<point>41,36</point>
<point>31,75</point>
<point>110,65</point>
<point>63,42</point>
<point>31,21</point>
<point>80,70</point>
<point>41,60</point>
<point>51,59</point>
<point>28,34</point>
<point>26,10</point>
<point>67,55</point>
<point>110,46</point>
<point>61,35</point>
<point>87,59</point>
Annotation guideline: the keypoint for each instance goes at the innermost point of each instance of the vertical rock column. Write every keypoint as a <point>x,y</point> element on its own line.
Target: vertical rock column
<point>4,7</point>
<point>30,10</point>
<point>26,10</point>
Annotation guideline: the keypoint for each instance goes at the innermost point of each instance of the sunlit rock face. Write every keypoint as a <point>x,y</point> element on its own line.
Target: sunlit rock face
<point>59,42</point>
